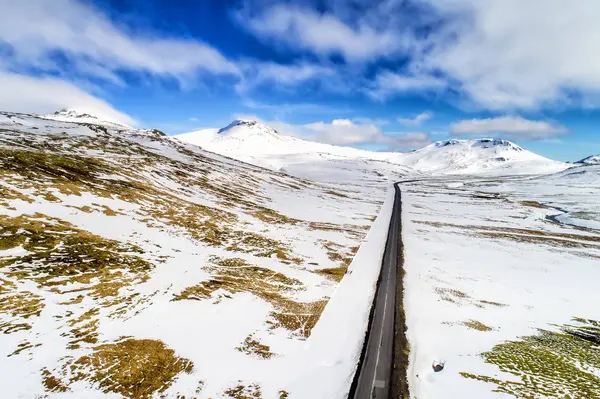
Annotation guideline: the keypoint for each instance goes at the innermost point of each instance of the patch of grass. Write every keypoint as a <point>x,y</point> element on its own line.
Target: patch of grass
<point>560,364</point>
<point>299,317</point>
<point>61,254</point>
<point>497,304</point>
<point>476,325</point>
<point>334,273</point>
<point>83,329</point>
<point>337,253</point>
<point>252,346</point>
<point>533,204</point>
<point>133,368</point>
<point>236,275</point>
<point>451,294</point>
<point>23,346</point>
<point>17,307</point>
<point>241,391</point>
<point>336,193</point>
<point>270,216</point>
<point>51,383</point>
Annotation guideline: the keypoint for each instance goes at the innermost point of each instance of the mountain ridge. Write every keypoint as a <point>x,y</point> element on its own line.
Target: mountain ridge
<point>590,160</point>
<point>254,142</point>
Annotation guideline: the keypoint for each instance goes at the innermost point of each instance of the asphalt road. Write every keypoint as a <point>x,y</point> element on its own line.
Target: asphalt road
<point>374,374</point>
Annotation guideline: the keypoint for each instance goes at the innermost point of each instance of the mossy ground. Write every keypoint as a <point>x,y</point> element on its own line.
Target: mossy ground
<point>252,346</point>
<point>235,275</point>
<point>85,268</point>
<point>133,368</point>
<point>552,364</point>
<point>241,391</point>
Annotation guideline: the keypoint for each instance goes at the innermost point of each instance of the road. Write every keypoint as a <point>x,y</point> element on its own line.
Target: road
<point>373,378</point>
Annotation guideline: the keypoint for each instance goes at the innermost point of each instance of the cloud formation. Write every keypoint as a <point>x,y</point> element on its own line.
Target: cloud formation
<point>36,29</point>
<point>418,120</point>
<point>512,126</point>
<point>510,54</point>
<point>324,33</point>
<point>348,132</point>
<point>22,93</point>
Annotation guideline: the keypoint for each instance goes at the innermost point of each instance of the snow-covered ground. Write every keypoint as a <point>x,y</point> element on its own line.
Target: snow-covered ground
<point>138,265</point>
<point>259,144</point>
<point>489,264</point>
<point>177,272</point>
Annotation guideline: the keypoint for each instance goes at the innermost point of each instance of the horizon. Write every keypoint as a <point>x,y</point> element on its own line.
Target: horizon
<point>391,76</point>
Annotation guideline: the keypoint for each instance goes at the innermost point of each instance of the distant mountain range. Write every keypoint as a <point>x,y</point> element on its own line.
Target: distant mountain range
<point>591,160</point>
<point>257,143</point>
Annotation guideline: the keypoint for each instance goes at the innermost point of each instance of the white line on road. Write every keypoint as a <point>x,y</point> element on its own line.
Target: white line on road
<point>381,329</point>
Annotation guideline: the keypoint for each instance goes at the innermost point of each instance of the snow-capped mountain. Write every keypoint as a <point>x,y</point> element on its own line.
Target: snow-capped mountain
<point>251,138</point>
<point>257,143</point>
<point>73,115</point>
<point>105,229</point>
<point>591,160</point>
<point>479,156</point>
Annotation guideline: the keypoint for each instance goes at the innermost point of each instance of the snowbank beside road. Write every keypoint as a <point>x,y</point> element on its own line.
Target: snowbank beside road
<point>336,342</point>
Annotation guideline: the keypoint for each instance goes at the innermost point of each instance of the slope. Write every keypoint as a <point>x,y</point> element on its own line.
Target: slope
<point>591,160</point>
<point>128,254</point>
<point>259,144</point>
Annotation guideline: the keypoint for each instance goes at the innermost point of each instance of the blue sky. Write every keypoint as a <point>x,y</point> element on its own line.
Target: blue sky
<point>387,74</point>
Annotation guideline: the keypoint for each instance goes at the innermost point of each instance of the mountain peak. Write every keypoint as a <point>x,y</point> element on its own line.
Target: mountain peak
<point>73,113</point>
<point>591,160</point>
<point>251,125</point>
<point>481,143</point>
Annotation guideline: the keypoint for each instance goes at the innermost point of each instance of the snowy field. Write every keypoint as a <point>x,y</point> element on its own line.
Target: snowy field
<point>133,265</point>
<point>502,286</point>
<point>136,265</point>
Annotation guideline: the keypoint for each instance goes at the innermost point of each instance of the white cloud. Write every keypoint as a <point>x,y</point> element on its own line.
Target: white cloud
<point>388,83</point>
<point>36,29</point>
<point>418,120</point>
<point>345,132</point>
<point>508,54</point>
<point>21,93</point>
<point>322,33</point>
<point>351,133</point>
<point>258,73</point>
<point>513,126</point>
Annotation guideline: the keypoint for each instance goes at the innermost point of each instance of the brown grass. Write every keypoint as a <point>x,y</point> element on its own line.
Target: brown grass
<point>252,346</point>
<point>133,368</point>
<point>251,391</point>
<point>476,325</point>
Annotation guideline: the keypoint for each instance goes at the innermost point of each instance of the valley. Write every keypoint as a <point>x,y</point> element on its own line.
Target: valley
<point>242,263</point>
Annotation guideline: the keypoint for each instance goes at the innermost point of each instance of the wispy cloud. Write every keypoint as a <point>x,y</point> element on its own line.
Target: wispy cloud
<point>353,132</point>
<point>512,126</point>
<point>36,29</point>
<point>283,76</point>
<point>510,54</point>
<point>388,83</point>
<point>322,33</point>
<point>417,120</point>
<point>22,93</point>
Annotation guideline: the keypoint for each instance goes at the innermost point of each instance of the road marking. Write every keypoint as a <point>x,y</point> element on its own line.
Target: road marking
<point>379,384</point>
<point>381,329</point>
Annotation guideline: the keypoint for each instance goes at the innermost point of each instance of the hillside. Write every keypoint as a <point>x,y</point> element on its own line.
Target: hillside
<point>591,160</point>
<point>129,253</point>
<point>259,144</point>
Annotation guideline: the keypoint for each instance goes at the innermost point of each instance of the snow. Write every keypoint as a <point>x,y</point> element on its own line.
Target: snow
<point>208,331</point>
<point>591,160</point>
<point>334,348</point>
<point>452,192</point>
<point>73,115</point>
<point>259,144</point>
<point>538,285</point>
